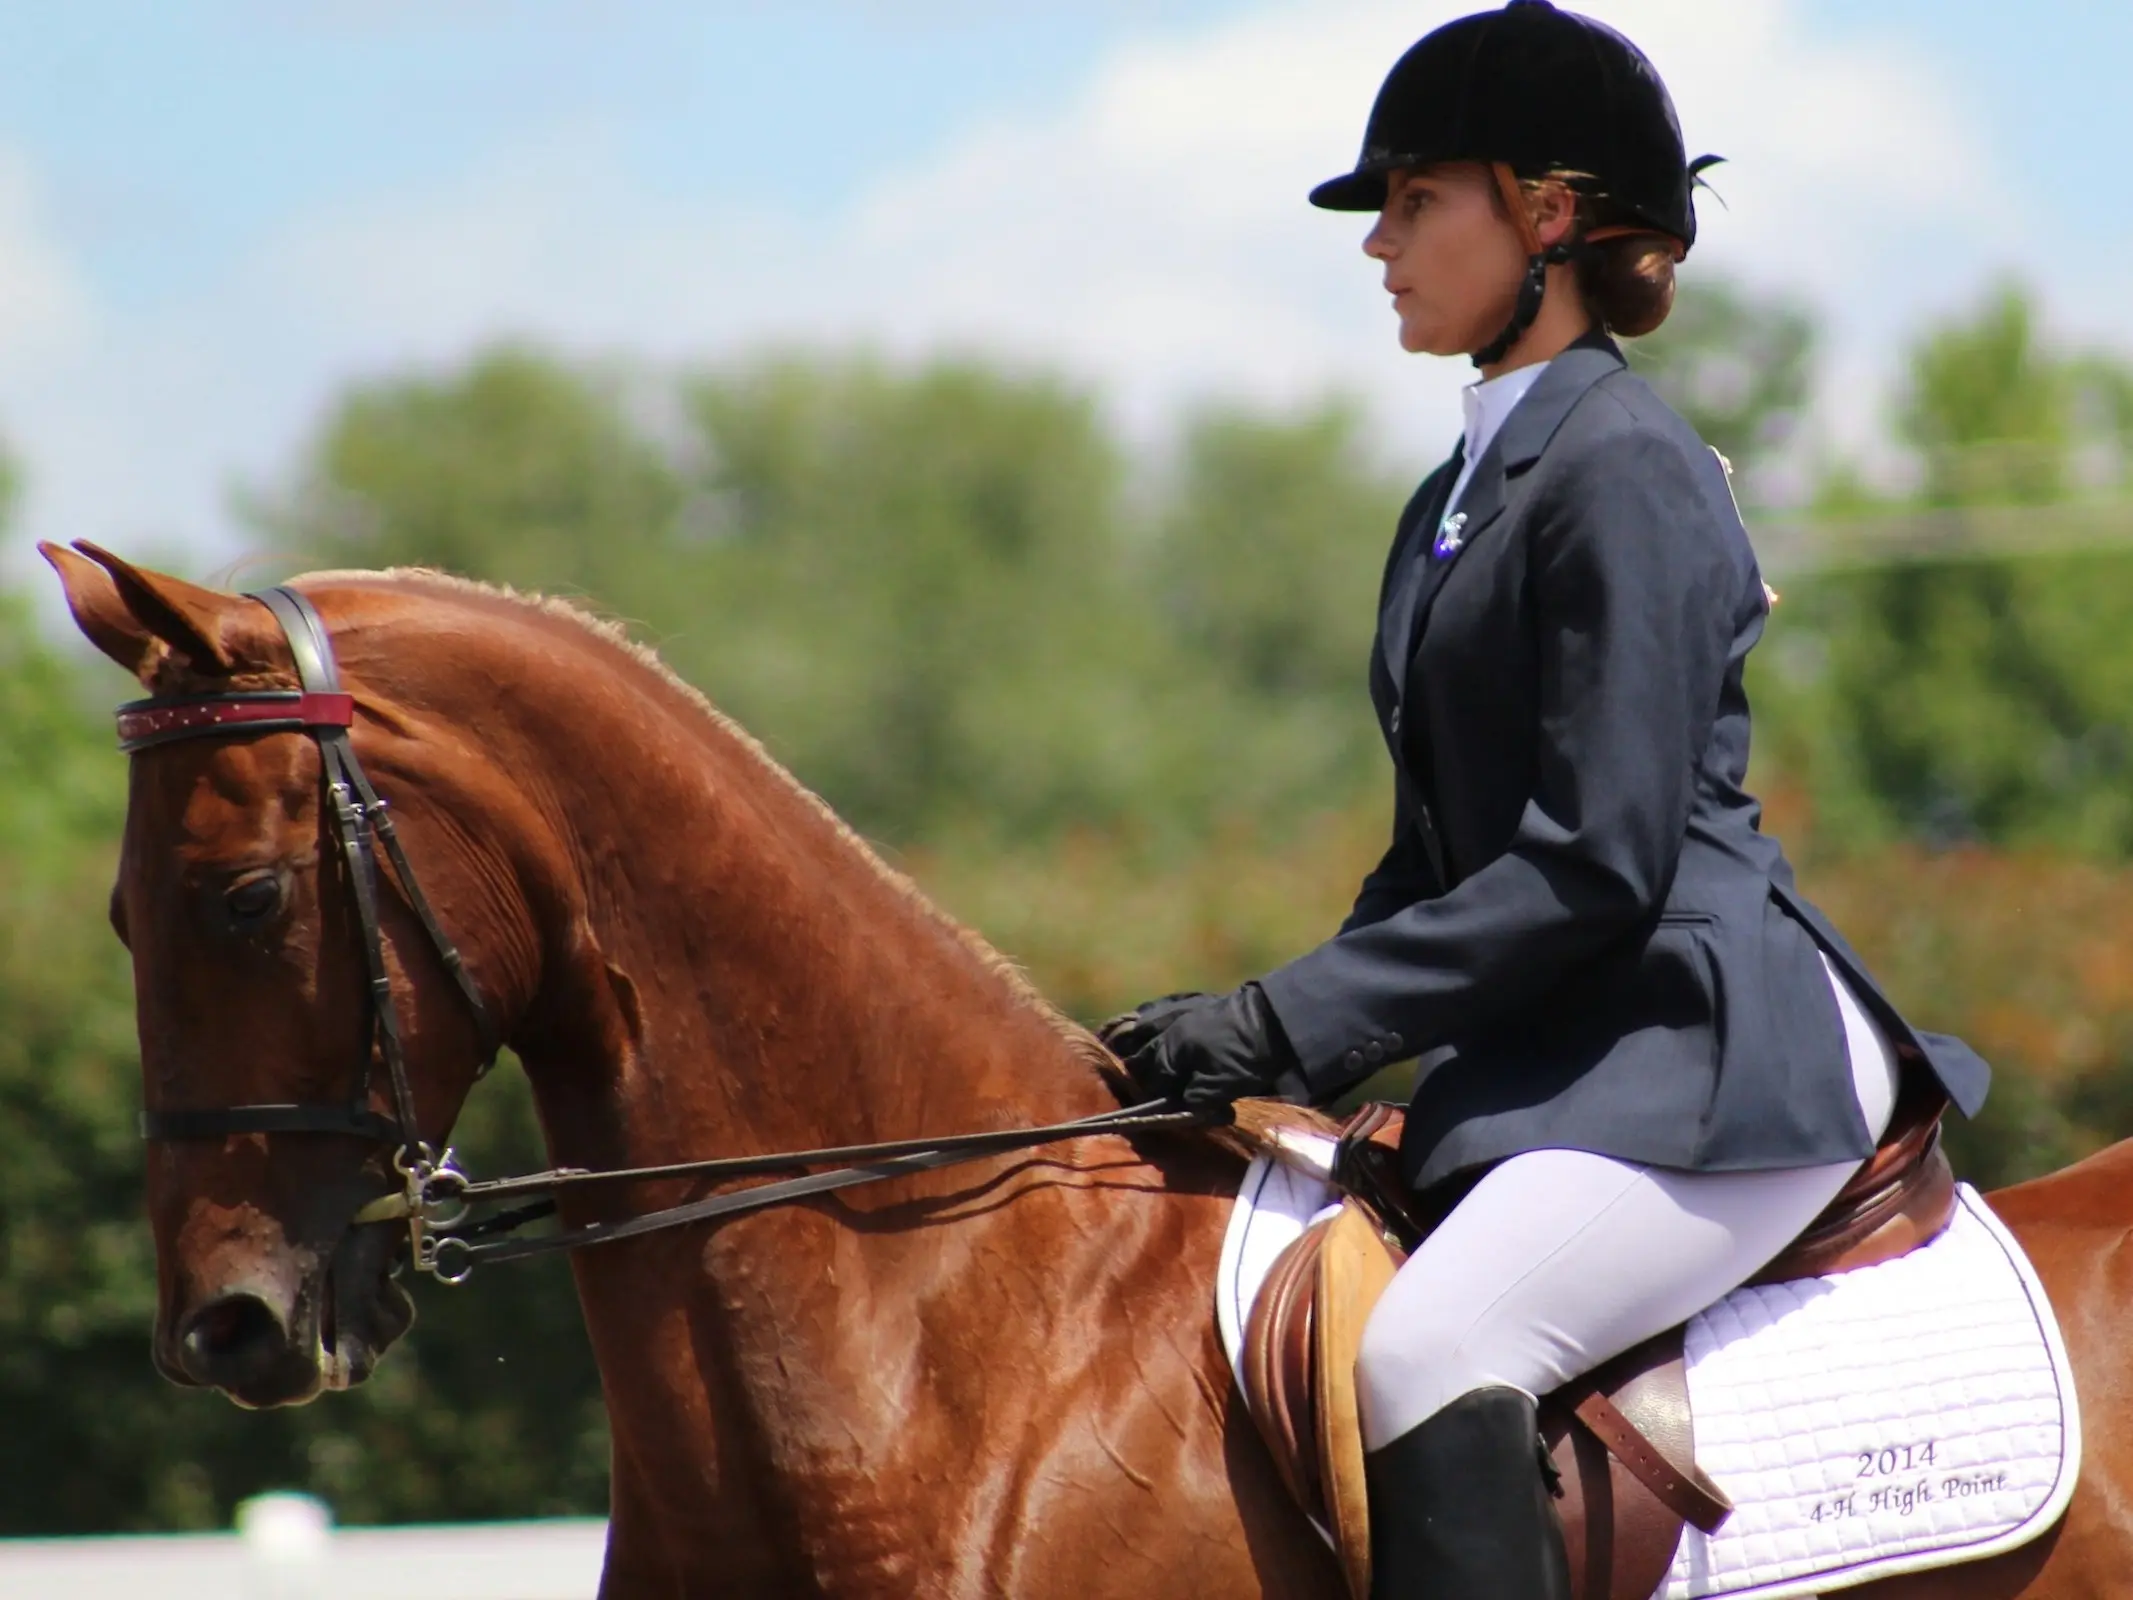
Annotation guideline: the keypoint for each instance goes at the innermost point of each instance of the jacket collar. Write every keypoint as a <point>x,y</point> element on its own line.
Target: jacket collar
<point>1526,431</point>
<point>1439,542</point>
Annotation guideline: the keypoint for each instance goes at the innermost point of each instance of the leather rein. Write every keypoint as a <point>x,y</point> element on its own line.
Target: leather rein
<point>438,1197</point>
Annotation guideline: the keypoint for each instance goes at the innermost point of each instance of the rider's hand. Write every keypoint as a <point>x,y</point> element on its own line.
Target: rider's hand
<point>1131,1032</point>
<point>1224,1048</point>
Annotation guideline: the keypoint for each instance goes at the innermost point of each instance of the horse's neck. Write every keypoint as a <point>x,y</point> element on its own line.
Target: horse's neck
<point>725,971</point>
<point>728,970</point>
<point>733,973</point>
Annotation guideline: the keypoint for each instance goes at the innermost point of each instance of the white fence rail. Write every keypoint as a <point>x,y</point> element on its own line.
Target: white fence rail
<point>1790,543</point>
<point>286,1548</point>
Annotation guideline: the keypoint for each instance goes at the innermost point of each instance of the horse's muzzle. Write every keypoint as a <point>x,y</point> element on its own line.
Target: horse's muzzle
<point>275,1338</point>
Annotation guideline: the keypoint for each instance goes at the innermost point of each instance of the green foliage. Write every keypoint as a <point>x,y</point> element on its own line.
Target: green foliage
<point>1263,584</point>
<point>1983,699</point>
<point>1964,695</point>
<point>2103,399</point>
<point>76,1279</point>
<point>904,583</point>
<point>929,591</point>
<point>1988,407</point>
<point>515,467</point>
<point>1265,566</point>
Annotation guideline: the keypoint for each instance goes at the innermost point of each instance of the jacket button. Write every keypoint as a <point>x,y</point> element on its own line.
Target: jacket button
<point>1354,1058</point>
<point>1395,719</point>
<point>1394,1043</point>
<point>1374,1053</point>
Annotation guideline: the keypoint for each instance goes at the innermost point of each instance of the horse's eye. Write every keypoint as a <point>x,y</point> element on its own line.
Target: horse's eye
<point>250,901</point>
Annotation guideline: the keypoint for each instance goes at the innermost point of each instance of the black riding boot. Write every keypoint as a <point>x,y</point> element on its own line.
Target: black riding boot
<point>1459,1509</point>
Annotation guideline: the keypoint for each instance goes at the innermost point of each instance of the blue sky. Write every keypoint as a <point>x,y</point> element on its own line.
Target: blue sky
<point>2048,84</point>
<point>175,138</point>
<point>213,215</point>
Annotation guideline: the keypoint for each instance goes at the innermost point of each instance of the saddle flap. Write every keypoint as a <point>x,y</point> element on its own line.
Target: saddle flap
<point>1300,1345</point>
<point>1355,1266</point>
<point>1276,1370</point>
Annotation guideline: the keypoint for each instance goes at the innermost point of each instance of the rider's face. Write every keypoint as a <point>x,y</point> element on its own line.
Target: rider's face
<point>1452,259</point>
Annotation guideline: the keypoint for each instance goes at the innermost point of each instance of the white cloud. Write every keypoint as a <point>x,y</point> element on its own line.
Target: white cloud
<point>43,307</point>
<point>1152,236</point>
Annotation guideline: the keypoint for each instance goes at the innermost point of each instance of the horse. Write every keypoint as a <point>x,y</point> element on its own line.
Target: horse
<point>1002,1380</point>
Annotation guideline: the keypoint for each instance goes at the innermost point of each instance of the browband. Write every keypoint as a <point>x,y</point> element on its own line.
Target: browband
<point>143,724</point>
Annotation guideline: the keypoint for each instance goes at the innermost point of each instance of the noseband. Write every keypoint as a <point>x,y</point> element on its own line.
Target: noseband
<point>437,1196</point>
<point>360,823</point>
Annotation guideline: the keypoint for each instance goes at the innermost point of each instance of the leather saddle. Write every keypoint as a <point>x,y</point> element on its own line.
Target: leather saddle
<point>1621,1439</point>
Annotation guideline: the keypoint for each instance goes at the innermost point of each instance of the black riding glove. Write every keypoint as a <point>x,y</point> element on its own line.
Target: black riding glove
<point>1224,1048</point>
<point>1131,1032</point>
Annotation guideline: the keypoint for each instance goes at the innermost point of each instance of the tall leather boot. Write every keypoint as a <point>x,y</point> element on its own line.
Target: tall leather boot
<point>1459,1509</point>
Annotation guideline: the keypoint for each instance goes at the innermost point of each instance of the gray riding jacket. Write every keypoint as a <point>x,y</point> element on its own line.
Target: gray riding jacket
<point>1579,924</point>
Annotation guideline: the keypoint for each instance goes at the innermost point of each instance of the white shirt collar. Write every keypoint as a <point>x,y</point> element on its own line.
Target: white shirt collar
<point>1489,402</point>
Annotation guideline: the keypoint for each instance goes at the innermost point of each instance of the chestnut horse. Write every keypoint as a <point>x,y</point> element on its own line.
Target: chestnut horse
<point>1005,1384</point>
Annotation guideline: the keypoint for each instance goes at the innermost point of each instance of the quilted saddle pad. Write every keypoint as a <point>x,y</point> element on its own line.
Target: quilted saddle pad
<point>1893,1419</point>
<point>1889,1420</point>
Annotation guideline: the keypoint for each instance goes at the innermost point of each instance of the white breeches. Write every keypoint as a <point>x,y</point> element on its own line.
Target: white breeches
<point>1560,1259</point>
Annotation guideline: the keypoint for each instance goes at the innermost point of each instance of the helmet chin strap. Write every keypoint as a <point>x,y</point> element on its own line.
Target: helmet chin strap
<point>1539,258</point>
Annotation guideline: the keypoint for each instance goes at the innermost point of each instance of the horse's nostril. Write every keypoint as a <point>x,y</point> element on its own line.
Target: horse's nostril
<point>228,1324</point>
<point>228,1333</point>
<point>247,1346</point>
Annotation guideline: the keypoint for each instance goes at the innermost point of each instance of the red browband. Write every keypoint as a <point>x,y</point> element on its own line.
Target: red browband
<point>151,722</point>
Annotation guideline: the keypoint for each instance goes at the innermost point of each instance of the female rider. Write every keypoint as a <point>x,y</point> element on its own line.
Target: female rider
<point>1651,1059</point>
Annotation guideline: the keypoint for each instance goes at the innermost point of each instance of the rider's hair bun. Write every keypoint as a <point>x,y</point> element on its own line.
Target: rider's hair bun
<point>1628,281</point>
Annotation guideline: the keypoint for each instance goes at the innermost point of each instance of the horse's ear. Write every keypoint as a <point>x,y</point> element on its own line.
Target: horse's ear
<point>98,610</point>
<point>197,623</point>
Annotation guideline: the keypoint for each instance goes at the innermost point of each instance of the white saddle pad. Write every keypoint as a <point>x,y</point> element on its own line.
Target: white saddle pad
<point>1898,1418</point>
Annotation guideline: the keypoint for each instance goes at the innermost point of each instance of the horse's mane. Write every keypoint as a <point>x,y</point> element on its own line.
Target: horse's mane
<point>614,636</point>
<point>1256,1121</point>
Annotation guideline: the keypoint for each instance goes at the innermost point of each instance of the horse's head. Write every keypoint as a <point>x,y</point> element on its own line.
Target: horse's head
<point>251,989</point>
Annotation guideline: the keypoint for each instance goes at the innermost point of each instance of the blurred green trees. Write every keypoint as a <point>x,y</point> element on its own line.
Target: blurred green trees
<point>1108,704</point>
<point>518,467</point>
<point>1978,686</point>
<point>1988,407</point>
<point>934,593</point>
<point>1739,367</point>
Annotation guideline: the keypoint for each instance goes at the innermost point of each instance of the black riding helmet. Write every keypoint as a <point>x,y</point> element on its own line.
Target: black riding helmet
<point>1530,90</point>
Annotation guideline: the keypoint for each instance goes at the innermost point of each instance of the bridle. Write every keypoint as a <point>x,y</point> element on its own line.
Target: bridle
<point>361,822</point>
<point>438,1196</point>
